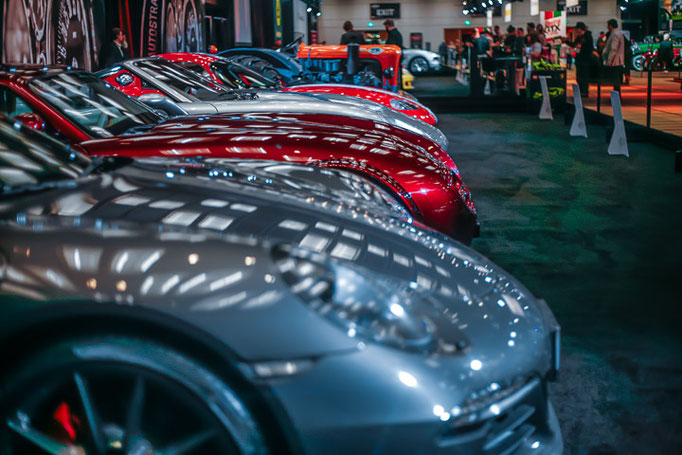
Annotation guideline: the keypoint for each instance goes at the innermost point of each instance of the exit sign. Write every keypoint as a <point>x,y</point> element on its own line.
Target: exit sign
<point>384,10</point>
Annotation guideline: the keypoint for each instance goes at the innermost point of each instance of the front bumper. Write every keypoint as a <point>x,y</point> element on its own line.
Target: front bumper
<point>384,413</point>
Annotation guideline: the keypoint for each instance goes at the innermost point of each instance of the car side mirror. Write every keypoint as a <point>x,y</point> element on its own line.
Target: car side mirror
<point>30,120</point>
<point>159,102</point>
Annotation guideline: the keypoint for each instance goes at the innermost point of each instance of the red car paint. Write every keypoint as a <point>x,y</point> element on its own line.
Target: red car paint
<point>380,96</point>
<point>431,191</point>
<point>135,89</point>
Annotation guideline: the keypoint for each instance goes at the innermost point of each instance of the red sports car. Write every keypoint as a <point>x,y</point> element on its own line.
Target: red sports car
<point>237,76</point>
<point>87,113</point>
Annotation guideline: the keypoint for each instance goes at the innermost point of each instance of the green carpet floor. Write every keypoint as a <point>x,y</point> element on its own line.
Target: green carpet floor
<point>600,238</point>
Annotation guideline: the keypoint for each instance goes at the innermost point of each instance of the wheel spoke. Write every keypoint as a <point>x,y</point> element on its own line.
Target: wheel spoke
<point>46,443</point>
<point>90,413</point>
<point>188,444</point>
<point>134,417</point>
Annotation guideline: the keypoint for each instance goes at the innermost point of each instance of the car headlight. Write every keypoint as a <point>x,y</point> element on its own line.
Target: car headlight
<point>363,307</point>
<point>402,105</point>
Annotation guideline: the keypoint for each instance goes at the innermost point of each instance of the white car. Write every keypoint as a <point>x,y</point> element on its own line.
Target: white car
<point>420,61</point>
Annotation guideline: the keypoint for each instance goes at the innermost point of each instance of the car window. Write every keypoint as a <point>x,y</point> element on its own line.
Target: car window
<point>28,157</point>
<point>196,68</point>
<point>11,104</point>
<point>238,76</point>
<point>91,104</point>
<point>180,78</point>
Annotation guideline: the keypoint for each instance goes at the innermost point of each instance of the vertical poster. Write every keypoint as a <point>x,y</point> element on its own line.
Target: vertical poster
<point>534,7</point>
<point>52,31</point>
<point>242,22</point>
<point>554,23</point>
<point>507,12</point>
<point>489,18</point>
<point>278,22</point>
<point>171,26</point>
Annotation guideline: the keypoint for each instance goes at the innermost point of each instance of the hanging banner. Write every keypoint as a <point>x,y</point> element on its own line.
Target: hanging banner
<point>554,23</point>
<point>171,26</point>
<point>489,18</point>
<point>46,32</point>
<point>507,12</point>
<point>278,22</point>
<point>534,7</point>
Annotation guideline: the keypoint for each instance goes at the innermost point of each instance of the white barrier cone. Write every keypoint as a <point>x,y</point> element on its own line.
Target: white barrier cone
<point>578,127</point>
<point>546,108</point>
<point>618,144</point>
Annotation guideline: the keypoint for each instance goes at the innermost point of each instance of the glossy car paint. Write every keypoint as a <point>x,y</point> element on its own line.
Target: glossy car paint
<point>380,96</point>
<point>199,260</point>
<point>433,192</point>
<point>264,101</point>
<point>432,59</point>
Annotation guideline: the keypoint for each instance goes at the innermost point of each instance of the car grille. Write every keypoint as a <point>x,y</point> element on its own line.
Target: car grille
<point>517,418</point>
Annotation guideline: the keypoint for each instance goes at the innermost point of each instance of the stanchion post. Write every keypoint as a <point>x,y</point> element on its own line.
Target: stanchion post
<point>618,144</point>
<point>678,162</point>
<point>599,96</point>
<point>648,100</point>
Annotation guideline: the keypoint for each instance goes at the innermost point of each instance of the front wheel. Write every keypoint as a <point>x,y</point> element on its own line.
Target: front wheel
<point>638,62</point>
<point>117,395</point>
<point>419,65</point>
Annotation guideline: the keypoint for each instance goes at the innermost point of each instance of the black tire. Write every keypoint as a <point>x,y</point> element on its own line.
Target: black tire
<point>638,62</point>
<point>257,64</point>
<point>418,65</point>
<point>102,387</point>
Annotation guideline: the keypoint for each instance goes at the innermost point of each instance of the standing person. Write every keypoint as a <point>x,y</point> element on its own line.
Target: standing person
<point>351,36</point>
<point>118,49</point>
<point>510,39</point>
<point>519,43</point>
<point>601,42</point>
<point>394,36</point>
<point>665,52</point>
<point>535,47</point>
<point>481,44</point>
<point>541,34</point>
<point>584,58</point>
<point>614,52</point>
<point>443,52</point>
<point>530,27</point>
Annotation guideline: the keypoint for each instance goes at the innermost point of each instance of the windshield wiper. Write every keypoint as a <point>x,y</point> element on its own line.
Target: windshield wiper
<point>105,163</point>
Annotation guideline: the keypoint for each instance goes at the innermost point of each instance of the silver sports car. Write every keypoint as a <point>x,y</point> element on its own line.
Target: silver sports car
<point>420,61</point>
<point>205,307</point>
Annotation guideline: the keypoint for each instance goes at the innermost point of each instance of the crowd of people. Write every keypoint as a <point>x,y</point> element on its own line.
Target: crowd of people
<point>610,54</point>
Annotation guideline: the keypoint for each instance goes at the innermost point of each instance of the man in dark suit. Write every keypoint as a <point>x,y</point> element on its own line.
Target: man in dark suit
<point>394,36</point>
<point>351,36</point>
<point>118,49</point>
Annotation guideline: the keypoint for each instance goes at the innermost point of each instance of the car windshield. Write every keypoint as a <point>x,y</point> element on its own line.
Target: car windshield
<point>238,76</point>
<point>30,158</point>
<point>94,106</point>
<point>194,86</point>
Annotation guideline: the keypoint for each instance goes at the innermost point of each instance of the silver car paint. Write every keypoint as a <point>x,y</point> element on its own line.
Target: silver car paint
<point>432,58</point>
<point>282,102</point>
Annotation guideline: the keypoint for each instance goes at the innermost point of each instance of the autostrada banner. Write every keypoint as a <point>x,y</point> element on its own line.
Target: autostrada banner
<point>554,23</point>
<point>171,26</point>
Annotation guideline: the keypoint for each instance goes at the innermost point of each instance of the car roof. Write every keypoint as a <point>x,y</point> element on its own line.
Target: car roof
<point>22,73</point>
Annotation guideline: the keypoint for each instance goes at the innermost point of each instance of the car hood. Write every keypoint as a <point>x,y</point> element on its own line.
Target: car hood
<point>289,137</point>
<point>318,103</point>
<point>200,251</point>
